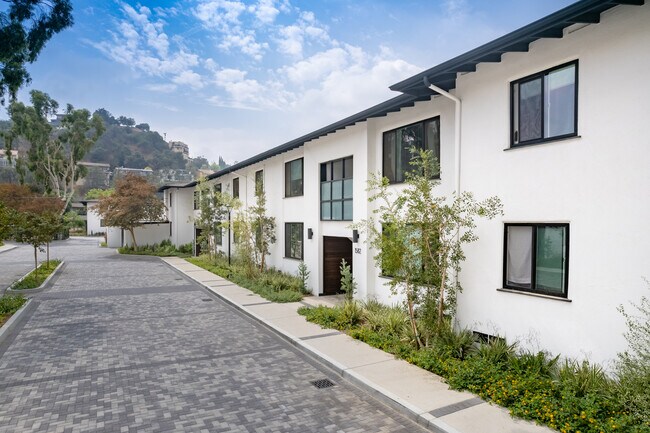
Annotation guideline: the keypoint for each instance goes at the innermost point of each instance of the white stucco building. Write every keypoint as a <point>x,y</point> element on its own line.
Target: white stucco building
<point>551,118</point>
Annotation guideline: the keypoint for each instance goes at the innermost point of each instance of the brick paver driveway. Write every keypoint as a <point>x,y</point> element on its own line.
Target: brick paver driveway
<point>127,344</point>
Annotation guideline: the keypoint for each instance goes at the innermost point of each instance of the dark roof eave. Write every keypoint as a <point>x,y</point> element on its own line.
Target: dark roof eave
<point>551,26</point>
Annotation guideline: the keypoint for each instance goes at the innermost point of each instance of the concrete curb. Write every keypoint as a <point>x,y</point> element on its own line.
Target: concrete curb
<point>5,248</point>
<point>410,411</point>
<point>38,289</point>
<point>14,320</point>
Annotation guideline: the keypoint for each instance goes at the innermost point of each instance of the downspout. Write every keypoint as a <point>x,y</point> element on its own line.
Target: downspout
<point>457,115</point>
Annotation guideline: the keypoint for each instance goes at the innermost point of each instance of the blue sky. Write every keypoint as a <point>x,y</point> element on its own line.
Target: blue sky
<point>236,77</point>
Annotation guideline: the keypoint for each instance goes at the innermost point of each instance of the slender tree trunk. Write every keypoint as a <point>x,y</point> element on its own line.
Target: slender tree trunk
<point>135,245</point>
<point>414,326</point>
<point>441,298</point>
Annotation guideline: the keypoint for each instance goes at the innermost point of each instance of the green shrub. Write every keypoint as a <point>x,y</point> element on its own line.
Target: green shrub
<point>582,378</point>
<point>538,364</point>
<point>10,304</point>
<point>324,316</point>
<point>35,279</point>
<point>163,249</point>
<point>450,343</point>
<point>496,351</point>
<point>350,314</point>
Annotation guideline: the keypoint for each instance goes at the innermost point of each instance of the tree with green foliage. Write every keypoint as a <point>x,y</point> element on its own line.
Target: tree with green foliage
<point>214,207</point>
<point>133,204</point>
<point>418,238</point>
<point>25,28</point>
<point>7,221</point>
<point>303,275</point>
<point>97,193</point>
<point>262,226</point>
<point>54,154</point>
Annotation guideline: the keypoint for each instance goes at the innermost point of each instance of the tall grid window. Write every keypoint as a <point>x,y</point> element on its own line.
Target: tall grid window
<point>293,175</point>
<point>397,144</point>
<point>293,240</point>
<point>336,190</point>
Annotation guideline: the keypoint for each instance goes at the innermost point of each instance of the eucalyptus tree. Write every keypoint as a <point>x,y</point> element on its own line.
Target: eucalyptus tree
<point>54,152</point>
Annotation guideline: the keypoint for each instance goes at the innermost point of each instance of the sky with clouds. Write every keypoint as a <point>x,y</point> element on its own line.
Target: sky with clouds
<point>236,77</point>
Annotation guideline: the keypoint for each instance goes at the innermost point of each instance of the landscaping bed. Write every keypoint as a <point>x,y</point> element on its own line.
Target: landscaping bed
<point>565,395</point>
<point>36,277</point>
<point>163,249</point>
<point>270,284</point>
<point>9,305</point>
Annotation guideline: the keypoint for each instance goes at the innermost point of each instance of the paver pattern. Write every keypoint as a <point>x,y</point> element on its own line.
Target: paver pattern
<point>123,344</point>
<point>14,264</point>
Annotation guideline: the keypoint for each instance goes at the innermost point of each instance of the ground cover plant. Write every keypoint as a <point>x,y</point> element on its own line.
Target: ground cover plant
<point>37,277</point>
<point>9,305</point>
<point>271,284</point>
<point>568,396</point>
<point>163,249</point>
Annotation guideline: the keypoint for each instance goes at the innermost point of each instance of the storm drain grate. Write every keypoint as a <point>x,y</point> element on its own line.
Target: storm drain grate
<point>322,383</point>
<point>207,300</point>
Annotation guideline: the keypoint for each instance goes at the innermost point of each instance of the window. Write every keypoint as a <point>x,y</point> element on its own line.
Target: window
<point>196,200</point>
<point>217,187</point>
<point>293,240</point>
<point>218,237</point>
<point>336,190</point>
<point>293,173</point>
<point>259,182</point>
<point>397,147</point>
<point>170,199</point>
<point>536,258</point>
<point>235,187</point>
<point>545,105</point>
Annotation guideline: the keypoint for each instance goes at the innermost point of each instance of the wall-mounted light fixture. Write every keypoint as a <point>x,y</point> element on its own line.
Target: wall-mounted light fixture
<point>355,236</point>
<point>310,233</point>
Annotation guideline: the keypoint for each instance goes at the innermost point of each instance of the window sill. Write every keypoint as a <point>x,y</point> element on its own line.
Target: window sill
<point>293,196</point>
<point>545,141</point>
<point>292,258</point>
<point>536,295</point>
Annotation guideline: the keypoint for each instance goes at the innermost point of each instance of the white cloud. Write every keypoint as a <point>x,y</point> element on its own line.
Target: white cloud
<point>246,43</point>
<point>162,88</point>
<point>220,14</point>
<point>265,11</point>
<point>291,39</point>
<point>189,78</point>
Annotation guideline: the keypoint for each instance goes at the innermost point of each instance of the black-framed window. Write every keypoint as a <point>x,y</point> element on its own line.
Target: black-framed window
<point>170,199</point>
<point>544,106</point>
<point>293,240</point>
<point>397,156</point>
<point>235,187</point>
<point>293,175</point>
<point>218,236</point>
<point>336,190</point>
<point>217,187</point>
<point>197,197</point>
<point>536,258</point>
<point>259,182</point>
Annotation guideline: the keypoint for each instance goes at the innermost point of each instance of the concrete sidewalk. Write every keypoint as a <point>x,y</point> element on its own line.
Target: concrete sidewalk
<point>419,394</point>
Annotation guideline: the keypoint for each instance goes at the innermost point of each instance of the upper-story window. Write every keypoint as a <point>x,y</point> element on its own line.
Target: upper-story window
<point>235,187</point>
<point>217,187</point>
<point>336,190</point>
<point>259,182</point>
<point>397,147</point>
<point>197,198</point>
<point>293,175</point>
<point>170,199</point>
<point>545,105</point>
<point>536,258</point>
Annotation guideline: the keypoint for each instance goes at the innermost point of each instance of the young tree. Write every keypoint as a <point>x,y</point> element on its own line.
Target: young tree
<point>262,227</point>
<point>24,29</point>
<point>133,203</point>
<point>418,237</point>
<point>54,154</point>
<point>214,207</point>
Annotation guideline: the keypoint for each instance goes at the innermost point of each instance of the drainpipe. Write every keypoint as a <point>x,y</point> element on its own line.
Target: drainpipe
<point>457,114</point>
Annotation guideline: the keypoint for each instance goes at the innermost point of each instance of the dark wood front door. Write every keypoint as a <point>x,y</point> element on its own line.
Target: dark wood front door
<point>334,250</point>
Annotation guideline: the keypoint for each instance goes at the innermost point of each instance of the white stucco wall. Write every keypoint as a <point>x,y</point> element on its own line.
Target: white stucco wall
<point>180,211</point>
<point>597,182</point>
<point>93,220</point>
<point>148,234</point>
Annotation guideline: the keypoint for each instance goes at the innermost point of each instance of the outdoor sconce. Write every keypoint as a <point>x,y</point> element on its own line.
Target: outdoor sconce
<point>310,233</point>
<point>355,236</point>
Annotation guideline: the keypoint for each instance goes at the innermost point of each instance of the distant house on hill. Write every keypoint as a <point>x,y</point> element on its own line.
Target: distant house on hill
<point>4,160</point>
<point>180,147</point>
<point>121,172</point>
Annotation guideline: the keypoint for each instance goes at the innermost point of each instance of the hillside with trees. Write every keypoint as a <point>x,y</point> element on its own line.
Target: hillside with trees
<point>127,144</point>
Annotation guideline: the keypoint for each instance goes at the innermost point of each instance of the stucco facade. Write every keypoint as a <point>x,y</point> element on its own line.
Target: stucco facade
<point>595,183</point>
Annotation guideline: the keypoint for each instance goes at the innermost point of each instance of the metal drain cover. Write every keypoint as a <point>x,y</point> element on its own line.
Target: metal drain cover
<point>322,383</point>
<point>207,300</point>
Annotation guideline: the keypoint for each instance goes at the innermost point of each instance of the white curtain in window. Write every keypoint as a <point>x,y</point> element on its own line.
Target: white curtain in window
<point>519,255</point>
